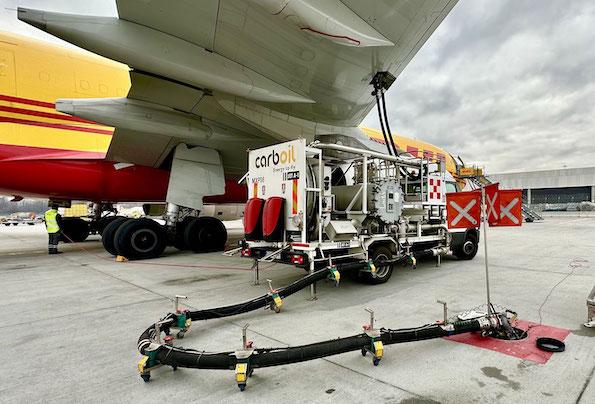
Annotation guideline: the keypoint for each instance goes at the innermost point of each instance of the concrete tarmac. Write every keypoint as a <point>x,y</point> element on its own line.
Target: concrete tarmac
<point>70,324</point>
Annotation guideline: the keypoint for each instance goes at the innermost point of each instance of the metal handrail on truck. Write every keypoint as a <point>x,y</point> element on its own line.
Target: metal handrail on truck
<point>386,208</point>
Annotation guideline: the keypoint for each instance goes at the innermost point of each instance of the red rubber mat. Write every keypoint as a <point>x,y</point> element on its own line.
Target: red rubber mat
<point>523,349</point>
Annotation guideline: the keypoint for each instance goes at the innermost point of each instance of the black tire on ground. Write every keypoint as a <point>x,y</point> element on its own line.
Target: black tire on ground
<point>468,249</point>
<point>140,239</point>
<point>74,229</point>
<point>178,240</point>
<point>107,237</point>
<point>104,221</point>
<point>205,234</point>
<point>383,273</point>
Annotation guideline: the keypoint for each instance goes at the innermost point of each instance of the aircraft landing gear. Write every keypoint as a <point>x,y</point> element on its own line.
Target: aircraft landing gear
<point>145,238</point>
<point>74,229</point>
<point>102,223</point>
<point>140,239</point>
<point>205,234</point>
<point>107,236</point>
<point>198,234</point>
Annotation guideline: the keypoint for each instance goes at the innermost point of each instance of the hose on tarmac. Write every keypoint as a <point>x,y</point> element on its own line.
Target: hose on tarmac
<point>266,357</point>
<point>245,307</point>
<point>259,302</point>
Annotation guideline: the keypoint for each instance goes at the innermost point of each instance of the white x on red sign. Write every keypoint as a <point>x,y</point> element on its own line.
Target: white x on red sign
<point>505,211</point>
<point>464,212</point>
<point>492,203</point>
<point>511,213</point>
<point>463,209</point>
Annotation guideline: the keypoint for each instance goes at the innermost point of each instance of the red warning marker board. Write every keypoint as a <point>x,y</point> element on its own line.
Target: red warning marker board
<point>511,213</point>
<point>493,204</point>
<point>463,209</point>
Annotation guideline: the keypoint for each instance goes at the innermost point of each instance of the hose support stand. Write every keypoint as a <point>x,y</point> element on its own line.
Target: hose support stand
<point>244,361</point>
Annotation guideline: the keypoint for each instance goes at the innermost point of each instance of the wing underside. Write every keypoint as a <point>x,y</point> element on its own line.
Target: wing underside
<point>241,73</point>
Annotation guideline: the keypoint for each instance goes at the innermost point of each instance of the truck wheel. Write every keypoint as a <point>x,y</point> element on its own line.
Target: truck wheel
<point>205,234</point>
<point>467,250</point>
<point>140,239</point>
<point>383,273</point>
<point>74,229</point>
<point>107,237</point>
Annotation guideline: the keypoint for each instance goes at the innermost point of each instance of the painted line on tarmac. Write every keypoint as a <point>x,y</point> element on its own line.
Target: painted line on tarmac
<point>28,323</point>
<point>530,270</point>
<point>92,268</point>
<point>587,382</point>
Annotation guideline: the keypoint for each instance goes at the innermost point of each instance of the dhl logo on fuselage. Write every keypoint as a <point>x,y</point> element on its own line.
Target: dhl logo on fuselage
<point>274,158</point>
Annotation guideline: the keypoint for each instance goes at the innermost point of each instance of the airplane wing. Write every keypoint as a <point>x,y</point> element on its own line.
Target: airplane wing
<point>222,73</point>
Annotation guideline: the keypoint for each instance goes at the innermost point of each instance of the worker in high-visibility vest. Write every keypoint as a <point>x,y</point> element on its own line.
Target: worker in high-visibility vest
<point>52,224</point>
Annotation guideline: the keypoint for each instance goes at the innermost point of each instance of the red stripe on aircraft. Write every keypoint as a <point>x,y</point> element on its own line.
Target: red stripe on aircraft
<point>14,152</point>
<point>27,101</point>
<point>40,114</point>
<point>55,125</point>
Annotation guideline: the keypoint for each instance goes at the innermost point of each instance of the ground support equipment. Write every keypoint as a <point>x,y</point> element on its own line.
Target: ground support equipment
<point>159,353</point>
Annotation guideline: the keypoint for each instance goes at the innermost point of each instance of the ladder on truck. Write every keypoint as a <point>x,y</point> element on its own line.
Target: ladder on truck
<point>529,214</point>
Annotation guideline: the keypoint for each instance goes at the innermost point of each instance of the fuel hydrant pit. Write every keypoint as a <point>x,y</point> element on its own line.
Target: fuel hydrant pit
<point>515,334</point>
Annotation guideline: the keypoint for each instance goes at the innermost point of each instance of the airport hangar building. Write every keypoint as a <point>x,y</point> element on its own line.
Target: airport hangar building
<point>566,185</point>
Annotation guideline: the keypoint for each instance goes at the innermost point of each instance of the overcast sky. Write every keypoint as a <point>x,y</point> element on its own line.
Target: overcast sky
<point>507,84</point>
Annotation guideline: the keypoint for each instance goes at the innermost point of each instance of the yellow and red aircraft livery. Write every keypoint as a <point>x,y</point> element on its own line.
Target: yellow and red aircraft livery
<point>44,153</point>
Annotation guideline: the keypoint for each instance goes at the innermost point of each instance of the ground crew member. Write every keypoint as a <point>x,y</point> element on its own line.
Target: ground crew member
<point>52,224</point>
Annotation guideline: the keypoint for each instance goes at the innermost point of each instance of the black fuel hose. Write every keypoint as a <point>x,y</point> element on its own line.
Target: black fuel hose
<point>267,299</point>
<point>428,332</point>
<point>259,302</point>
<point>378,107</point>
<point>245,307</point>
<point>266,357</point>
<point>390,134</point>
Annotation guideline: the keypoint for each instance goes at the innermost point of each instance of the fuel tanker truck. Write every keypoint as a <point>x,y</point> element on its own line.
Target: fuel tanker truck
<point>336,201</point>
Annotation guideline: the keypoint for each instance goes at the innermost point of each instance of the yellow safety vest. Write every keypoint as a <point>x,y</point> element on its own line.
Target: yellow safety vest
<point>50,221</point>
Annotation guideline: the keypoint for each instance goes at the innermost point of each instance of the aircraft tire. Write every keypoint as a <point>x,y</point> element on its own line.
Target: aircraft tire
<point>140,239</point>
<point>205,234</point>
<point>107,237</point>
<point>74,229</point>
<point>104,221</point>
<point>179,242</point>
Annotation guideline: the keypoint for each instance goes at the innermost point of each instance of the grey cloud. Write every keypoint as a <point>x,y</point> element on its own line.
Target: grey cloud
<point>508,84</point>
